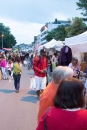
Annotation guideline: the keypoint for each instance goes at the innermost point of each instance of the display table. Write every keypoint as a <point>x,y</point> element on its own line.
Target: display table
<point>83,66</point>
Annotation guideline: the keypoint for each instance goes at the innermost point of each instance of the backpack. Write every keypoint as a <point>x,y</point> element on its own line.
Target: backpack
<point>16,69</point>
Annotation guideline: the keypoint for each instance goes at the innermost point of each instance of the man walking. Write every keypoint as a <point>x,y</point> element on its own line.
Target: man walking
<point>40,68</point>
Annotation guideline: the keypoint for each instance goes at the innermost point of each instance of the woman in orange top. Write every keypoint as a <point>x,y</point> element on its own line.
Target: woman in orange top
<point>47,97</point>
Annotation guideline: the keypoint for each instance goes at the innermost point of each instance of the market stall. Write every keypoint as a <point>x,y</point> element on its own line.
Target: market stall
<point>37,47</point>
<point>78,44</point>
<point>7,49</point>
<point>53,43</point>
<point>52,46</point>
<point>1,51</point>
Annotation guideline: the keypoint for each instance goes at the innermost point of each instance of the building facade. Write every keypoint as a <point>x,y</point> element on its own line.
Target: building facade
<point>48,27</point>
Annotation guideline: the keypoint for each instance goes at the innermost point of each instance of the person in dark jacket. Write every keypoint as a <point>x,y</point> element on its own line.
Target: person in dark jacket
<point>65,56</point>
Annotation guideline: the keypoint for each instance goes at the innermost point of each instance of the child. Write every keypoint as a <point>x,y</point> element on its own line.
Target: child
<point>10,66</point>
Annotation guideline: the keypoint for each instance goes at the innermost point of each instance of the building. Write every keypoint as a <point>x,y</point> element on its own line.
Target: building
<point>34,43</point>
<point>48,27</point>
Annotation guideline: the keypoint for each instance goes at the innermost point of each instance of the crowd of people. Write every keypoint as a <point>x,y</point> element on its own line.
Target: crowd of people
<point>10,67</point>
<point>63,102</point>
<point>64,111</point>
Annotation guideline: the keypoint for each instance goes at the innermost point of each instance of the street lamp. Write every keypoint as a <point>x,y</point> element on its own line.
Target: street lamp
<point>2,40</point>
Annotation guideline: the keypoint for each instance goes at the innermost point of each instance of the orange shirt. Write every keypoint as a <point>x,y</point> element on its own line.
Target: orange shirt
<point>46,99</point>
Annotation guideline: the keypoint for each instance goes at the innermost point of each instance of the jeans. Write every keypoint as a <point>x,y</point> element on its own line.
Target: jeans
<point>17,81</point>
<point>48,71</point>
<point>4,73</point>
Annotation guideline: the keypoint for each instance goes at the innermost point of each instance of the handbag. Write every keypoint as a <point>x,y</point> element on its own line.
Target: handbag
<point>45,123</point>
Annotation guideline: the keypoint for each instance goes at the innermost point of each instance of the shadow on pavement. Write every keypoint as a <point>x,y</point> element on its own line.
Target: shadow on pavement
<point>31,99</point>
<point>32,92</point>
<point>6,91</point>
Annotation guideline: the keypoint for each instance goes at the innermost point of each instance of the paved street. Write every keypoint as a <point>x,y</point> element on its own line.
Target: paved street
<point>18,111</point>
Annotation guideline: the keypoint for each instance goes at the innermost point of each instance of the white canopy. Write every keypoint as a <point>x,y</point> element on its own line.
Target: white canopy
<point>77,43</point>
<point>53,43</point>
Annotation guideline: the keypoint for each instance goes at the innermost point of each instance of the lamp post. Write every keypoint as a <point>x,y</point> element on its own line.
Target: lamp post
<point>2,40</point>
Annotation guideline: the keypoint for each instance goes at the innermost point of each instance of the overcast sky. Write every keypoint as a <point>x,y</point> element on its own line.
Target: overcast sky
<point>26,17</point>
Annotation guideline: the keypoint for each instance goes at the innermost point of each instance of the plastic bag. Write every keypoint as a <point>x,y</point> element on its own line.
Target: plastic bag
<point>86,84</point>
<point>32,83</point>
<point>25,62</point>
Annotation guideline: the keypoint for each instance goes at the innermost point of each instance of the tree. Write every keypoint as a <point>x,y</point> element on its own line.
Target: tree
<point>50,35</point>
<point>8,39</point>
<point>77,27</point>
<point>58,34</point>
<point>82,4</point>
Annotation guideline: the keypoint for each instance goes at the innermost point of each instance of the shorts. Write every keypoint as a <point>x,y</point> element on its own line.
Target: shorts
<point>40,83</point>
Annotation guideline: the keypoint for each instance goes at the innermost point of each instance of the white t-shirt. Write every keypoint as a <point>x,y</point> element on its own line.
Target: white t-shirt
<point>54,59</point>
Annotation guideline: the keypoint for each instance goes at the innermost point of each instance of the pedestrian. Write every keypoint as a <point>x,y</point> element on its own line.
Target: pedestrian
<point>10,66</point>
<point>47,97</point>
<point>3,67</point>
<point>40,69</point>
<point>54,61</point>
<point>67,112</point>
<point>74,65</point>
<point>17,73</point>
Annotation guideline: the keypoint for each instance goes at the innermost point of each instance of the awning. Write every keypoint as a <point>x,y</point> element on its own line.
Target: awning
<point>7,49</point>
<point>1,51</point>
<point>77,43</point>
<point>37,47</point>
<point>53,43</point>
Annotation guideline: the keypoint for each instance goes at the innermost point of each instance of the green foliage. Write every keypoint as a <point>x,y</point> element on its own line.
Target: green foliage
<point>50,35</point>
<point>82,4</point>
<point>58,34</point>
<point>8,38</point>
<point>77,27</point>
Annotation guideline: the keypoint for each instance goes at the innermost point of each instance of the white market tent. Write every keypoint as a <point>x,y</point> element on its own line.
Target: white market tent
<point>77,43</point>
<point>53,43</point>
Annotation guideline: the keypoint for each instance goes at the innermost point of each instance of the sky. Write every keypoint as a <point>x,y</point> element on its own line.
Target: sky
<point>26,17</point>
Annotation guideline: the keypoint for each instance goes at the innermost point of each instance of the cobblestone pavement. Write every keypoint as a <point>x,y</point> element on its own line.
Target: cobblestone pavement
<point>18,111</point>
